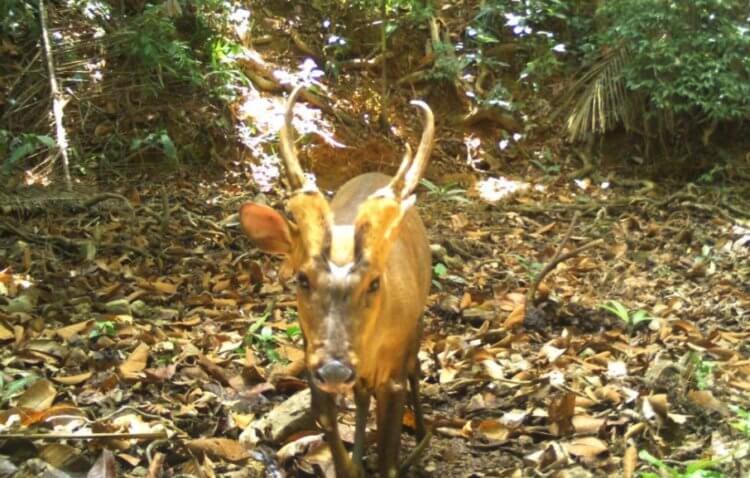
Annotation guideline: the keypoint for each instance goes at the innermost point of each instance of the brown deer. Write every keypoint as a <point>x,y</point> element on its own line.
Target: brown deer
<point>363,268</point>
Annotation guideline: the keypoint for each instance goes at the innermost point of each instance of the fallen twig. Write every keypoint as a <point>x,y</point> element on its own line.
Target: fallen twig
<point>85,436</point>
<point>154,469</point>
<point>557,259</point>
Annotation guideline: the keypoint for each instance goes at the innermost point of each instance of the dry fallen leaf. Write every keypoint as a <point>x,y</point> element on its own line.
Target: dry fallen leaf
<point>493,430</point>
<point>299,447</point>
<point>104,467</point>
<point>586,448</point>
<point>55,415</point>
<point>448,374</point>
<point>219,448</point>
<point>38,397</point>
<point>6,333</point>
<point>69,331</point>
<point>135,363</point>
<point>561,413</point>
<point>706,400</point>
<point>72,379</point>
<point>164,287</point>
<point>318,461</point>
<point>515,319</point>
<point>629,462</point>
<point>587,425</point>
<point>493,369</point>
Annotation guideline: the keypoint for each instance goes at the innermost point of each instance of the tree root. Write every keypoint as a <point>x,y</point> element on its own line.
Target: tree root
<point>366,63</point>
<point>495,115</point>
<point>262,76</point>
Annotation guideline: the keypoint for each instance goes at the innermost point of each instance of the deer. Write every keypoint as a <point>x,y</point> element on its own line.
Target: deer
<point>363,271</point>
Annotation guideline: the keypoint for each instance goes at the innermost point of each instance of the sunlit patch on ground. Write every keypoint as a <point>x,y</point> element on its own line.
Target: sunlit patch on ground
<point>495,189</point>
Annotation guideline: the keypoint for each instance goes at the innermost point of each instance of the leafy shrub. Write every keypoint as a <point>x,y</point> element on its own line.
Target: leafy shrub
<point>150,41</point>
<point>542,27</point>
<point>14,148</point>
<point>690,58</point>
<point>18,17</point>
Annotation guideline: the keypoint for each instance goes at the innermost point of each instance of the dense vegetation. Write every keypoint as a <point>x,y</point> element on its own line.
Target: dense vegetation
<point>665,71</point>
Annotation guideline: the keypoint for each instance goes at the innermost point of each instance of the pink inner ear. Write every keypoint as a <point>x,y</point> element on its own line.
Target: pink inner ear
<point>266,228</point>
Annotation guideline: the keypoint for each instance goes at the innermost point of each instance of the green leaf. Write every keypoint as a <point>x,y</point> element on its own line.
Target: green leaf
<point>432,187</point>
<point>700,465</point>
<point>17,154</point>
<point>440,270</point>
<point>293,332</point>
<point>46,140</point>
<point>640,316</point>
<point>653,461</point>
<point>168,146</point>
<point>617,309</point>
<point>17,386</point>
<point>486,38</point>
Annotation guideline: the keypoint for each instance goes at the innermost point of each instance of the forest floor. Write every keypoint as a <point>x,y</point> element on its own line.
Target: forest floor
<point>149,313</point>
<point>140,331</point>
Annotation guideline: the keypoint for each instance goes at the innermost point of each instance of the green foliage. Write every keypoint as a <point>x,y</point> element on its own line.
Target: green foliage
<point>448,192</point>
<point>703,371</point>
<point>440,270</point>
<point>695,469</point>
<point>293,332</point>
<point>499,96</point>
<point>17,18</point>
<point>224,79</point>
<point>261,337</point>
<point>103,328</point>
<point>447,66</point>
<point>689,58</point>
<point>150,41</point>
<point>159,140</point>
<point>537,25</point>
<point>742,423</point>
<point>11,389</point>
<point>532,268</point>
<point>631,318</point>
<point>416,11</point>
<point>15,148</point>
<point>546,163</point>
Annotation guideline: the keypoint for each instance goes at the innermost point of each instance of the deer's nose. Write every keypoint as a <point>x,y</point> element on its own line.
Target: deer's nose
<point>334,373</point>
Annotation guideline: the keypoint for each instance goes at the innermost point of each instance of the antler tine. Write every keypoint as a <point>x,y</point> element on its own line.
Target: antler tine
<point>294,171</point>
<point>418,165</point>
<point>397,183</point>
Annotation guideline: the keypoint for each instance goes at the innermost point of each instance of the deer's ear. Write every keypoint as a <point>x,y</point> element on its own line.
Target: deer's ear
<point>268,229</point>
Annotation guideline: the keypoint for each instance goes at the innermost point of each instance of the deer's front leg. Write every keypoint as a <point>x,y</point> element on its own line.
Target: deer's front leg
<point>390,411</point>
<point>421,428</point>
<point>362,401</point>
<point>324,405</point>
<point>423,435</point>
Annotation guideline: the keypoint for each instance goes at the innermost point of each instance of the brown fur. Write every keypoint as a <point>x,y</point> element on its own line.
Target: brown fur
<point>405,280</point>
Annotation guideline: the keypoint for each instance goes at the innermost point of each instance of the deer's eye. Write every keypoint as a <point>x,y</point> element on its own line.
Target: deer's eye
<point>374,285</point>
<point>303,281</point>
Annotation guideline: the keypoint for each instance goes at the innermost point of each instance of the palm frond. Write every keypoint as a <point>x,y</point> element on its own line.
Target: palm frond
<point>599,100</point>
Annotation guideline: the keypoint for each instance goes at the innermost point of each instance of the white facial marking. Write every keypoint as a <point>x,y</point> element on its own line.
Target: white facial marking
<point>340,273</point>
